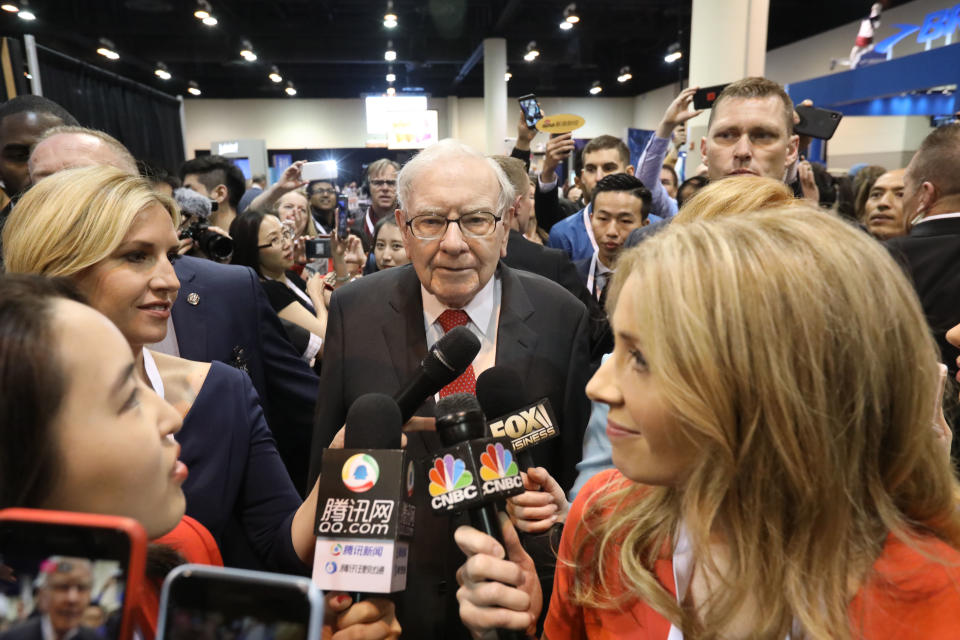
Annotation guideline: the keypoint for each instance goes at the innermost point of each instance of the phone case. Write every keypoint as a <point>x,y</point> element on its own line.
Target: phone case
<point>816,122</point>
<point>136,561</point>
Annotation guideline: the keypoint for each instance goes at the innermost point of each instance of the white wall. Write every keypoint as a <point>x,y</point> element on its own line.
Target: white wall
<point>308,123</point>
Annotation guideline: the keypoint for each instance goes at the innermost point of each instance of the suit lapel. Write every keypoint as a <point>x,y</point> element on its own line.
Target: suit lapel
<point>403,329</point>
<point>189,320</point>
<point>516,341</point>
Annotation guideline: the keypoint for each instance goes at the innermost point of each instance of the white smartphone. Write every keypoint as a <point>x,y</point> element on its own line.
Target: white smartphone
<point>320,170</point>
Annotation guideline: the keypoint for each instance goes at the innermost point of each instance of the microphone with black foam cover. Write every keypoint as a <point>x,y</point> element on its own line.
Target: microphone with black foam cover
<point>365,511</point>
<point>449,357</point>
<point>500,392</point>
<point>474,472</point>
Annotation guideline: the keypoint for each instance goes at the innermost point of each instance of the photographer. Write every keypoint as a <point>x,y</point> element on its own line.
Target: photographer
<point>197,236</point>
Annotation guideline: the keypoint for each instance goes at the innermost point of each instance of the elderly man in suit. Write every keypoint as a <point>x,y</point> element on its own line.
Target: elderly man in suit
<point>63,593</point>
<point>455,208</point>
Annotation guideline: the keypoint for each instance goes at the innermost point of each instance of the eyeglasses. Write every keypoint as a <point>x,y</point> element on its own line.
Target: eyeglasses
<point>288,234</point>
<point>472,225</point>
<point>325,192</point>
<point>383,183</point>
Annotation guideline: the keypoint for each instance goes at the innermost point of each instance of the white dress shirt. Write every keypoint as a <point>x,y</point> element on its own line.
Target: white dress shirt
<point>484,313</point>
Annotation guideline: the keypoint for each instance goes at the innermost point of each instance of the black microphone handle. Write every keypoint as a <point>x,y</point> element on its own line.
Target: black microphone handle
<point>413,394</point>
<point>525,458</point>
<point>484,518</point>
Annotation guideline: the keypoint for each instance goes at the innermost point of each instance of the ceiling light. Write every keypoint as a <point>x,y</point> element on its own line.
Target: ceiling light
<point>625,74</point>
<point>570,14</point>
<point>391,91</point>
<point>673,53</point>
<point>390,18</point>
<point>566,26</point>
<point>596,88</point>
<point>162,72</point>
<point>391,77</point>
<point>531,51</point>
<point>275,74</point>
<point>203,10</point>
<point>25,13</point>
<point>246,51</point>
<point>11,8</point>
<point>193,89</point>
<point>290,91</point>
<point>108,50</point>
<point>210,21</point>
<point>390,55</point>
<point>507,75</point>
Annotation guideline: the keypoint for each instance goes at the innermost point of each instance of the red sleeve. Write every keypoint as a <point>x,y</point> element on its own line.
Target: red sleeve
<point>565,619</point>
<point>192,540</point>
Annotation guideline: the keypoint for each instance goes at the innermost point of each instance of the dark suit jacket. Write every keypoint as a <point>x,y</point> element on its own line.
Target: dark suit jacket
<point>30,630</point>
<point>233,311</point>
<point>375,341</point>
<point>554,264</point>
<point>930,255</point>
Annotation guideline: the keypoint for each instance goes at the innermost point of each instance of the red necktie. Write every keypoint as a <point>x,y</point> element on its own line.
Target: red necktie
<point>467,382</point>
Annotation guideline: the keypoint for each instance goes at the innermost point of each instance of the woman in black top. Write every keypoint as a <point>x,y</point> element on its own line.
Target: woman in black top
<point>263,243</point>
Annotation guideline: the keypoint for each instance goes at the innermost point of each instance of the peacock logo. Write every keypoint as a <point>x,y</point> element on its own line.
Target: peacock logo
<point>448,474</point>
<point>360,473</point>
<point>497,462</point>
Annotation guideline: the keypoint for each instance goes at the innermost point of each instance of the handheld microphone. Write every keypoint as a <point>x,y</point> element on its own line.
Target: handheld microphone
<point>448,358</point>
<point>365,512</point>
<point>474,472</point>
<point>500,392</point>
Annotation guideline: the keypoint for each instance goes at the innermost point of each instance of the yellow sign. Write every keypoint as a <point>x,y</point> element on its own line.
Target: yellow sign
<point>560,123</point>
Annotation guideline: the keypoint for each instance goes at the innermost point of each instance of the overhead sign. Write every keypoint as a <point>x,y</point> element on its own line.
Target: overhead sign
<point>936,24</point>
<point>560,123</point>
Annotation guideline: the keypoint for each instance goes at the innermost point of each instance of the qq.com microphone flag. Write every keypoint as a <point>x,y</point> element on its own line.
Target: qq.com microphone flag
<point>365,513</point>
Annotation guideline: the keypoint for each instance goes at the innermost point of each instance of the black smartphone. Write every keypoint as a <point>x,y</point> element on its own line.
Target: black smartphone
<point>343,215</point>
<point>70,572</point>
<point>531,110</point>
<point>816,122</point>
<point>200,601</point>
<point>705,97</point>
<point>939,121</point>
<point>318,247</point>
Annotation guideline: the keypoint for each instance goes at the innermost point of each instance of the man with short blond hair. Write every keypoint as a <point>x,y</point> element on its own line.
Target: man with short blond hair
<point>68,147</point>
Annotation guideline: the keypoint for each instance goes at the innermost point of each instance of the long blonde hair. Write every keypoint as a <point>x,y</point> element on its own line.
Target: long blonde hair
<point>794,355</point>
<point>75,218</point>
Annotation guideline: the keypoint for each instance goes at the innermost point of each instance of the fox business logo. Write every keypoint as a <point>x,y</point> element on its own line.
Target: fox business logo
<point>525,427</point>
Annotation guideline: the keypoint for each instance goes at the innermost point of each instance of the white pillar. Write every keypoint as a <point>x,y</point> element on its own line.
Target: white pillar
<point>728,41</point>
<point>495,93</point>
<point>453,117</point>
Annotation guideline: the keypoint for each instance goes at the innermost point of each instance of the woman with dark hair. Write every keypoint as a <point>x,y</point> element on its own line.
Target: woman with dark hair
<point>264,244</point>
<point>79,431</point>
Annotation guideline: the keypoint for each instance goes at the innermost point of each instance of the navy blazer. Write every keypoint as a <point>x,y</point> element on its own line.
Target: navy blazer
<point>222,313</point>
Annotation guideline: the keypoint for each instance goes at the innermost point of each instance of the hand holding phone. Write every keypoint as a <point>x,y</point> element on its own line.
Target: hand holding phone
<point>532,113</point>
<point>705,97</point>
<point>816,122</point>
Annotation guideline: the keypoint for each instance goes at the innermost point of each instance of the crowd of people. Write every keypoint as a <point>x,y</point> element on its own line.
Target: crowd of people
<point>745,359</point>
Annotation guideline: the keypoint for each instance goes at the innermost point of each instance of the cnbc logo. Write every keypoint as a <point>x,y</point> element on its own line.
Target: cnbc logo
<point>498,470</point>
<point>450,482</point>
<point>360,473</point>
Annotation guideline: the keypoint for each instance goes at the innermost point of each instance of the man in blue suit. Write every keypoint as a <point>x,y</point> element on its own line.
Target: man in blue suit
<point>221,313</point>
<point>602,156</point>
